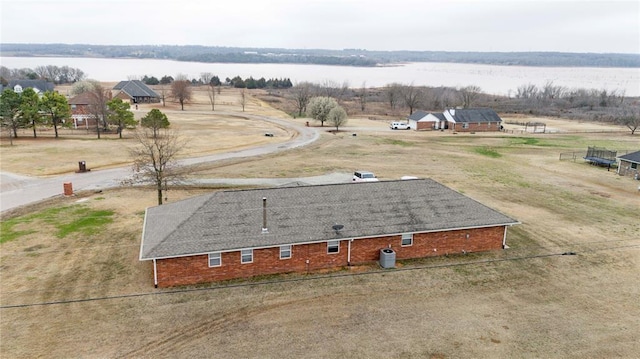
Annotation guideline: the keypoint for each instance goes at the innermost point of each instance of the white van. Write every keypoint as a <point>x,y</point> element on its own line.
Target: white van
<point>399,126</point>
<point>364,176</point>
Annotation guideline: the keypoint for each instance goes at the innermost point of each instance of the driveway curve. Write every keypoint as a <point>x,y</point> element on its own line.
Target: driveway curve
<point>17,190</point>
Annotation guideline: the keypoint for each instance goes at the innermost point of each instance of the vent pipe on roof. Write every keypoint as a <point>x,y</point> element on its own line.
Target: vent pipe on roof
<point>264,215</point>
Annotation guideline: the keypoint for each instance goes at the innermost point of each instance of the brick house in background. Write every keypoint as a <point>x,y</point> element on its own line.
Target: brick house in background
<point>136,91</point>
<point>245,233</point>
<point>80,112</point>
<point>473,120</point>
<point>629,164</point>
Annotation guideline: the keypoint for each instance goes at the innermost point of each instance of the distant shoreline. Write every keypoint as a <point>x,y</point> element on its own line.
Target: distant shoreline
<point>346,57</point>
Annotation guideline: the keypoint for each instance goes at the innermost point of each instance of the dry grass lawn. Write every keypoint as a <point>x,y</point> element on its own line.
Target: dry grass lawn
<point>528,301</point>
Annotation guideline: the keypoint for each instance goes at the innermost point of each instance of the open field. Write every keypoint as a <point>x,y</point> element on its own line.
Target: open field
<point>528,301</point>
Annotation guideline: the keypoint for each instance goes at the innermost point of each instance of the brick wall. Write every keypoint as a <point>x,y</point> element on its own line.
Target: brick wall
<point>477,127</point>
<point>624,169</point>
<point>195,269</point>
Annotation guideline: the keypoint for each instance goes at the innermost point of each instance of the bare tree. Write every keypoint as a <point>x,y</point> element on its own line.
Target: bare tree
<point>301,95</point>
<point>207,79</point>
<point>411,97</point>
<point>155,158</point>
<point>393,94</point>
<point>181,90</point>
<point>362,96</point>
<point>469,94</point>
<point>527,91</point>
<point>163,93</point>
<point>99,96</point>
<point>551,91</point>
<point>630,117</point>
<point>333,89</point>
<point>243,99</point>
<point>211,93</point>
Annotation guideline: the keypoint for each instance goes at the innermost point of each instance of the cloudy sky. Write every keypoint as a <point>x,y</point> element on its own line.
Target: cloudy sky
<point>439,25</point>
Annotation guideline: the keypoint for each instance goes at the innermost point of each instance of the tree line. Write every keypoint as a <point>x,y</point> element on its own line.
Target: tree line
<point>237,81</point>
<point>344,57</point>
<point>50,73</point>
<point>399,99</point>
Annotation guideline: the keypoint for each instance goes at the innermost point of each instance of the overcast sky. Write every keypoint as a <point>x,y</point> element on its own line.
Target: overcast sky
<point>513,25</point>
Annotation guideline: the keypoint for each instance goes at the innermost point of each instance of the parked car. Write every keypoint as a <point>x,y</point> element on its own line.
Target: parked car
<point>364,176</point>
<point>399,126</point>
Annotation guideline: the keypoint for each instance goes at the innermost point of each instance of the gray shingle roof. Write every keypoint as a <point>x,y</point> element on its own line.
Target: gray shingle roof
<point>631,157</point>
<point>476,115</point>
<point>418,115</point>
<point>439,116</point>
<point>41,85</point>
<point>135,88</point>
<point>232,220</point>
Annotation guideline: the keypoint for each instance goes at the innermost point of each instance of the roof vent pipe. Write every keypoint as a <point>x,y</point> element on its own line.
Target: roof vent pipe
<point>264,215</point>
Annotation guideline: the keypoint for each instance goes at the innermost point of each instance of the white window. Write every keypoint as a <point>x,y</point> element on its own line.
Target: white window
<point>246,256</point>
<point>215,259</point>
<point>465,125</point>
<point>333,246</point>
<point>285,252</point>
<point>407,239</point>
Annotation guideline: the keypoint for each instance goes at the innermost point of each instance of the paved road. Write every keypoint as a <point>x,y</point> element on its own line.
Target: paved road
<point>17,190</point>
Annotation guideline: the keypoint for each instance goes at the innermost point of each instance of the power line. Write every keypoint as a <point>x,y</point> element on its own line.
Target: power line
<point>301,279</point>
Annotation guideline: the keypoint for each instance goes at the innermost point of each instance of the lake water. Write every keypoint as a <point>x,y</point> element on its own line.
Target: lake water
<point>501,80</point>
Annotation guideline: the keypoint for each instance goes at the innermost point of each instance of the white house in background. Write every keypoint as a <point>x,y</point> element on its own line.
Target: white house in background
<point>421,120</point>
<point>39,86</point>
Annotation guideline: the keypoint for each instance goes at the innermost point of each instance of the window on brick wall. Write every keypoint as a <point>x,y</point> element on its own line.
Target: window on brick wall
<point>285,252</point>
<point>215,259</point>
<point>407,239</point>
<point>246,256</point>
<point>333,246</point>
<point>465,125</point>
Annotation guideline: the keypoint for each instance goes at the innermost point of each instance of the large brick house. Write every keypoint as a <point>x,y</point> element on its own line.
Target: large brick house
<point>473,120</point>
<point>244,233</point>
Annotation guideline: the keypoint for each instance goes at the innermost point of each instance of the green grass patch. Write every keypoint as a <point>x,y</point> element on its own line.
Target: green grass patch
<point>529,141</point>
<point>9,233</point>
<point>391,141</point>
<point>87,222</point>
<point>487,151</point>
<point>66,220</point>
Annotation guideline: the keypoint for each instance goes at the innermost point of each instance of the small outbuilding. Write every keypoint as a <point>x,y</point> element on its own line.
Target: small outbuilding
<point>629,165</point>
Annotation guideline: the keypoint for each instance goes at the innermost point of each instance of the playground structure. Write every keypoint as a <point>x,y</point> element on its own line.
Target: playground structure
<point>600,156</point>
